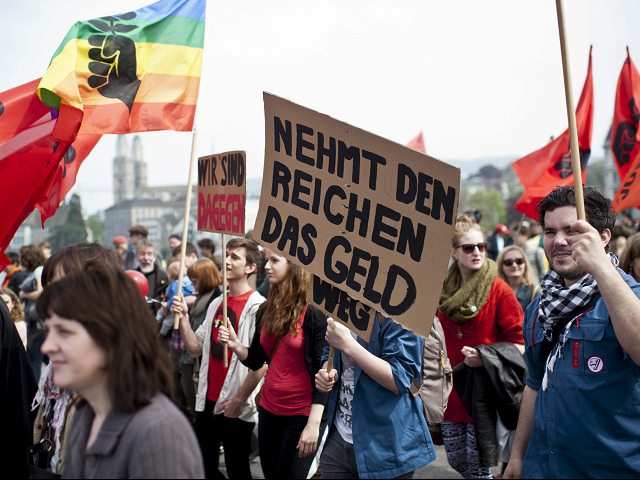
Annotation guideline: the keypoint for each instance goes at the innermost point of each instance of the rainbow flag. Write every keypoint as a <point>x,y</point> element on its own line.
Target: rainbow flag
<point>132,72</point>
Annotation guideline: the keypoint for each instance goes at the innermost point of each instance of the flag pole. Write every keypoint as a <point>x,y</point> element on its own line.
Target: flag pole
<point>225,355</point>
<point>185,224</point>
<point>571,115</point>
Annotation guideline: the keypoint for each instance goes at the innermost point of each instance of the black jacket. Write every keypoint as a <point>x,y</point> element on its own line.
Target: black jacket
<point>492,391</point>
<point>314,327</point>
<point>18,386</point>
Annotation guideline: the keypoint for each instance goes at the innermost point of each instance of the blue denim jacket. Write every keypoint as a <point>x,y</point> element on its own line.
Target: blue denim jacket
<point>586,422</point>
<point>390,433</point>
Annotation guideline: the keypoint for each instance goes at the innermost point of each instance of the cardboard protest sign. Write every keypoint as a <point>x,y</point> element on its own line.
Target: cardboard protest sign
<point>370,218</point>
<point>222,192</point>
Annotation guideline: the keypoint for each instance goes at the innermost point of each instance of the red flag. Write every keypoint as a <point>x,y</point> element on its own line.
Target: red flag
<point>66,173</point>
<point>625,137</point>
<point>32,162</point>
<point>550,167</point>
<point>19,109</point>
<point>417,144</point>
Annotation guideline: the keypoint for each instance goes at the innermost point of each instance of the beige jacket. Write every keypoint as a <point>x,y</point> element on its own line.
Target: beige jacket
<point>237,371</point>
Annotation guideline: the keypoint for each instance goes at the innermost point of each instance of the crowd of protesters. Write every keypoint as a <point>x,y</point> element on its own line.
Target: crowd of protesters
<point>540,323</point>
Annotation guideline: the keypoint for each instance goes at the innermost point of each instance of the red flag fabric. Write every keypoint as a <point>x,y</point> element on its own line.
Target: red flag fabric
<point>66,173</point>
<point>32,162</point>
<point>625,137</point>
<point>550,167</point>
<point>19,109</point>
<point>417,144</point>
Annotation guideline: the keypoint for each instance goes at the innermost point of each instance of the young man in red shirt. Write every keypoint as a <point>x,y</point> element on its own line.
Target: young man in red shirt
<point>225,405</point>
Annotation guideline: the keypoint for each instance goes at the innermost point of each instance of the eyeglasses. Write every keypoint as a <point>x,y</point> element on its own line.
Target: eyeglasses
<point>470,247</point>
<point>510,261</point>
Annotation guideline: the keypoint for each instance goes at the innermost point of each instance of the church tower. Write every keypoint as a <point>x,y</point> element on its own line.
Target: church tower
<point>123,172</point>
<point>139,165</point>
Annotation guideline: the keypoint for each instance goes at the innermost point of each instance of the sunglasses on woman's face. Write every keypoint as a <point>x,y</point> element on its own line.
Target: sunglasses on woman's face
<point>510,261</point>
<point>470,247</point>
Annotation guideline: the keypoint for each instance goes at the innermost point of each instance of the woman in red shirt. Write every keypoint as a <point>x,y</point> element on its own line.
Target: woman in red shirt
<point>476,308</point>
<point>290,338</point>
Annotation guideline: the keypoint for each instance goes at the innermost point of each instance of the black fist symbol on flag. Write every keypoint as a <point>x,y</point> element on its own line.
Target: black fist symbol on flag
<point>114,63</point>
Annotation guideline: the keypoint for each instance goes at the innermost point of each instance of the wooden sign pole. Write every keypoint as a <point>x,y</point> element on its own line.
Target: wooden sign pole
<point>330,359</point>
<point>225,355</point>
<point>571,115</point>
<point>185,224</point>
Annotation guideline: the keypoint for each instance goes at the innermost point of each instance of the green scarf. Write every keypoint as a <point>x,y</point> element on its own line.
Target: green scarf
<point>464,303</point>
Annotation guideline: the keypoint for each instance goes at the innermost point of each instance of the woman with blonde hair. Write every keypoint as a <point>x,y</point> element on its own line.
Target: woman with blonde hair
<point>290,338</point>
<point>476,308</point>
<point>17,313</point>
<point>514,268</point>
<point>630,258</point>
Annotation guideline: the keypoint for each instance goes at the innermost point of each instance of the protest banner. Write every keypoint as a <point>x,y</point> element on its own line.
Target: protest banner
<point>371,219</point>
<point>222,195</point>
<point>222,192</point>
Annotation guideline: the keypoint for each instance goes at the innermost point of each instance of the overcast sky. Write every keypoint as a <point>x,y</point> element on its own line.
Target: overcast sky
<point>480,78</point>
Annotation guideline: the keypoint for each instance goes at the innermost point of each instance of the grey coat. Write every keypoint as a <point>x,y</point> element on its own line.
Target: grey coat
<point>156,441</point>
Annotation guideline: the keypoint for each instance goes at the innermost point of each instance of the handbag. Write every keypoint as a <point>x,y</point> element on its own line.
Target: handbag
<point>273,352</point>
<point>40,453</point>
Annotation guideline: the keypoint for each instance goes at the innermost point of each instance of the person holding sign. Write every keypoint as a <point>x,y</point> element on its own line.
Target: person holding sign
<point>580,411</point>
<point>290,338</point>
<point>225,408</point>
<point>377,428</point>
<point>476,307</point>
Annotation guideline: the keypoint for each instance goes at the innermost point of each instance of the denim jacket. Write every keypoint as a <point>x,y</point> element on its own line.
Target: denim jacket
<point>586,422</point>
<point>390,433</point>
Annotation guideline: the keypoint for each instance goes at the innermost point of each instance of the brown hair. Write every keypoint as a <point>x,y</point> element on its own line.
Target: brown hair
<point>285,302</point>
<point>74,258</point>
<point>253,251</point>
<point>31,257</point>
<point>464,224</point>
<point>526,277</point>
<point>630,253</point>
<point>109,305</point>
<point>205,274</point>
<point>190,249</point>
<point>17,312</point>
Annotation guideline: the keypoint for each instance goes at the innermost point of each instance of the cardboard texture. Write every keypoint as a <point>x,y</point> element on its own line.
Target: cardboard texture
<point>222,192</point>
<point>371,219</point>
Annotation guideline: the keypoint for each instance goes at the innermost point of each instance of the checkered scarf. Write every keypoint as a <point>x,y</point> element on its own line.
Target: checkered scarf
<point>557,301</point>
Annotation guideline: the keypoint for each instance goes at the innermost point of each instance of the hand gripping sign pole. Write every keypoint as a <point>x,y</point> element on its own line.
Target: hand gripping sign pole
<point>185,225</point>
<point>573,132</point>
<point>225,354</point>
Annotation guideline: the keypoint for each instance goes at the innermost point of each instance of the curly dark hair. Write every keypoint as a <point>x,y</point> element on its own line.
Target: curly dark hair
<point>597,207</point>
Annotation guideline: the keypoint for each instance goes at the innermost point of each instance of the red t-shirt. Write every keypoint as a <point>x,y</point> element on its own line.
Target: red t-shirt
<point>499,320</point>
<point>217,372</point>
<point>287,388</point>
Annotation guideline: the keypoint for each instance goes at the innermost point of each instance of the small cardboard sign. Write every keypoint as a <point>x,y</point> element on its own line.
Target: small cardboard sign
<point>371,219</point>
<point>222,192</point>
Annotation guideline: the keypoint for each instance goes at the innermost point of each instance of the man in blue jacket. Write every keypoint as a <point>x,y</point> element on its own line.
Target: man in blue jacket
<point>580,412</point>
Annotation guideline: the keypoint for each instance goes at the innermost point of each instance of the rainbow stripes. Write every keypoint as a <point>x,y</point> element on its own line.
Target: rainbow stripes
<point>136,71</point>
